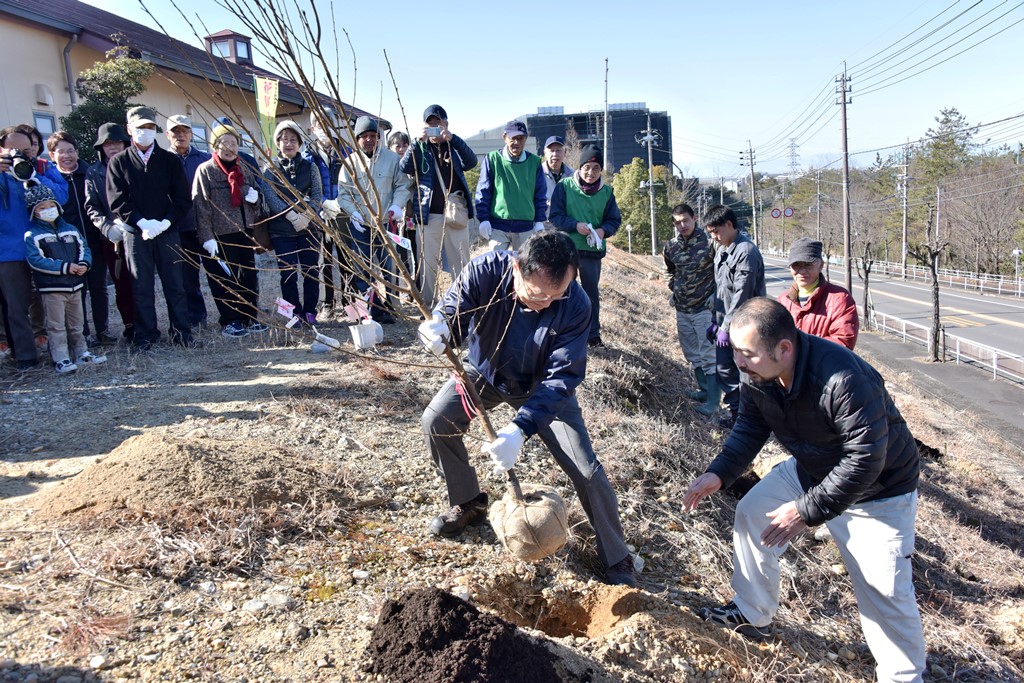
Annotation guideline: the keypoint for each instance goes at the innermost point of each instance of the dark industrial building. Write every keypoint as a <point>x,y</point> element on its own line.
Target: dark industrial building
<point>626,121</point>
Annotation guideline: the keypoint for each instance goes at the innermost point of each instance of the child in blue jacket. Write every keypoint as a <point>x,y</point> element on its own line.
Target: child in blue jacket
<point>59,257</point>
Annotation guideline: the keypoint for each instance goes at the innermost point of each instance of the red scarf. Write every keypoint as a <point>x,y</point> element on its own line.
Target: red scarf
<point>235,179</point>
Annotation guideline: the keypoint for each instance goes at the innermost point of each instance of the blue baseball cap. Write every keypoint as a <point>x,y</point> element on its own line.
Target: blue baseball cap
<point>554,140</point>
<point>514,128</point>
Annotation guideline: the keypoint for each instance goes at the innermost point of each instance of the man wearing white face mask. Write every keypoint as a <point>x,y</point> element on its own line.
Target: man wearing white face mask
<point>147,189</point>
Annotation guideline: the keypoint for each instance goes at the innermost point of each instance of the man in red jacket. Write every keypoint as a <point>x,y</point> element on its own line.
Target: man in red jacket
<point>818,307</point>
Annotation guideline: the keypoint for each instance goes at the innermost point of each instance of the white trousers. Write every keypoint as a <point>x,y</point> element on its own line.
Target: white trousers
<point>876,540</point>
<point>434,236</point>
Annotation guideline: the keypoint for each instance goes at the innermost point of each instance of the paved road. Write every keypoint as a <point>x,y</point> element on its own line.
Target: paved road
<point>991,320</point>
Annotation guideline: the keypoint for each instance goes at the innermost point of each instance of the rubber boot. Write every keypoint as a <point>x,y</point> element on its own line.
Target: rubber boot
<point>714,397</point>
<point>702,387</point>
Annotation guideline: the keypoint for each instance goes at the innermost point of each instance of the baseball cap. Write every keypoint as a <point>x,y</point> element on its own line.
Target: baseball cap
<point>435,110</point>
<point>514,128</point>
<point>554,140</point>
<point>141,115</point>
<point>178,120</point>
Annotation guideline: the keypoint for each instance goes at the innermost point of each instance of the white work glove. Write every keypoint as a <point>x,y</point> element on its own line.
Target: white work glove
<point>115,233</point>
<point>161,226</point>
<point>592,239</point>
<point>252,196</point>
<point>434,333</point>
<point>485,229</point>
<point>331,209</point>
<point>299,221</point>
<point>357,223</point>
<point>211,247</point>
<point>537,227</point>
<point>505,449</point>
<point>394,211</point>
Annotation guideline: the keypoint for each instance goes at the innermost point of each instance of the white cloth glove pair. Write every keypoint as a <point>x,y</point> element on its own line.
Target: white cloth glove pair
<point>593,239</point>
<point>211,247</point>
<point>357,223</point>
<point>299,221</point>
<point>434,333</point>
<point>537,227</point>
<point>151,227</point>
<point>485,229</point>
<point>252,196</point>
<point>331,209</point>
<point>504,450</point>
<point>115,233</point>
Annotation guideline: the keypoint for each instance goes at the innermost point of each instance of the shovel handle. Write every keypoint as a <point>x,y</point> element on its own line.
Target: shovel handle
<point>513,484</point>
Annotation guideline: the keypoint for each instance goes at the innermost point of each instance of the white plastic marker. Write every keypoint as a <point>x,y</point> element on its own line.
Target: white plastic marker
<point>323,343</point>
<point>403,242</point>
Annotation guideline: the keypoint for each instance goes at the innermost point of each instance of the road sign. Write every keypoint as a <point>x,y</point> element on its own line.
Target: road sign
<point>776,213</point>
<point>788,213</point>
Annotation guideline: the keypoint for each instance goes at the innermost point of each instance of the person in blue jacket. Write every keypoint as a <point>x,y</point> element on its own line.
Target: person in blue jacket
<point>59,257</point>
<point>15,274</point>
<point>512,193</point>
<point>525,319</point>
<point>584,207</point>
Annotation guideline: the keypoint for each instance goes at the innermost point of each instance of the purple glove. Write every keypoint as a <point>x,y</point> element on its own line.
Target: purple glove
<point>722,339</point>
<point>710,333</point>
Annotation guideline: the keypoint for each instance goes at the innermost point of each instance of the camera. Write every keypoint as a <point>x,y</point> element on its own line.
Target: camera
<point>434,131</point>
<point>21,167</point>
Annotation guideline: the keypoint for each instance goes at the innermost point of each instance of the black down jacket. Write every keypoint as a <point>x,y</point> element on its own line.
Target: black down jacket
<point>850,442</point>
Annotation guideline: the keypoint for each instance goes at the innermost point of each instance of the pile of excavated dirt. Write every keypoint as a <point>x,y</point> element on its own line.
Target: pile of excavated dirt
<point>158,470</point>
<point>430,636</point>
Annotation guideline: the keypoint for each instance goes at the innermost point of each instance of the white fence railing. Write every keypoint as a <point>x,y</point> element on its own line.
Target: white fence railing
<point>1003,364</point>
<point>1006,285</point>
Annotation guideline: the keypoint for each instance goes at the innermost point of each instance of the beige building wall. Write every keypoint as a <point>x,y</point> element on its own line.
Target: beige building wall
<point>36,92</point>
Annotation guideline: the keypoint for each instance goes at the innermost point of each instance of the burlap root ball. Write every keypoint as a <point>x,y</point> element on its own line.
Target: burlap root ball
<point>533,528</point>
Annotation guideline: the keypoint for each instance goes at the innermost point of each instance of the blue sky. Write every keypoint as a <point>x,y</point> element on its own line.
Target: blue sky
<point>758,71</point>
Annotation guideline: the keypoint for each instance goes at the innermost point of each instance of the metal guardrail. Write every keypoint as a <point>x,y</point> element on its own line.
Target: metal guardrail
<point>985,283</point>
<point>1001,363</point>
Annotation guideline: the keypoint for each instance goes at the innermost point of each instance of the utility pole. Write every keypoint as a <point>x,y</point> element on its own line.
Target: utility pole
<point>817,205</point>
<point>841,90</point>
<point>744,161</point>
<point>906,192</point>
<point>607,152</point>
<point>650,138</point>
<point>938,223</point>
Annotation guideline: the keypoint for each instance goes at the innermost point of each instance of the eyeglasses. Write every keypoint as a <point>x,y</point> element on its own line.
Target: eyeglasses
<point>529,294</point>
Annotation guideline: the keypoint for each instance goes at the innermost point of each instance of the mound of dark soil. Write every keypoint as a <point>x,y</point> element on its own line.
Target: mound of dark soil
<point>430,636</point>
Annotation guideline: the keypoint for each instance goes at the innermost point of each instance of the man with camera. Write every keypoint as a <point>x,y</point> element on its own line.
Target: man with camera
<point>438,162</point>
<point>512,194</point>
<point>16,173</point>
<point>147,189</point>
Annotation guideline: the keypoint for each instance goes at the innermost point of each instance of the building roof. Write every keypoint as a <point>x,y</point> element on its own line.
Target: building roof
<point>97,29</point>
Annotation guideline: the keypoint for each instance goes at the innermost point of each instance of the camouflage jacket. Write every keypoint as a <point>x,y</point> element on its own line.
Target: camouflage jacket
<point>691,265</point>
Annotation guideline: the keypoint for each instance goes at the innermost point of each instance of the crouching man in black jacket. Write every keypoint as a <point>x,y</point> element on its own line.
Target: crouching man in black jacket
<point>854,468</point>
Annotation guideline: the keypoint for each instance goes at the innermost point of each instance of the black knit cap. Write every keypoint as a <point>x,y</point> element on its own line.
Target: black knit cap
<point>36,194</point>
<point>590,153</point>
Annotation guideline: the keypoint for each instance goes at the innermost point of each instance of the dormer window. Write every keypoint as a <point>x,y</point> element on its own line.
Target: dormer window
<point>221,48</point>
<point>231,46</point>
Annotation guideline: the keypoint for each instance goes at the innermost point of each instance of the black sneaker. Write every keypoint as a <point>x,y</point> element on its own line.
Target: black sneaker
<point>621,573</point>
<point>452,523</point>
<point>730,617</point>
<point>595,341</point>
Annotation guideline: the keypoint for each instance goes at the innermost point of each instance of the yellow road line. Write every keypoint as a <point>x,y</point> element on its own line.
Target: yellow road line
<point>990,318</point>
<point>957,321</point>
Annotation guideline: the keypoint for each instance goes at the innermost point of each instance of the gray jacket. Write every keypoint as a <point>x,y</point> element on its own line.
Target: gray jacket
<point>739,275</point>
